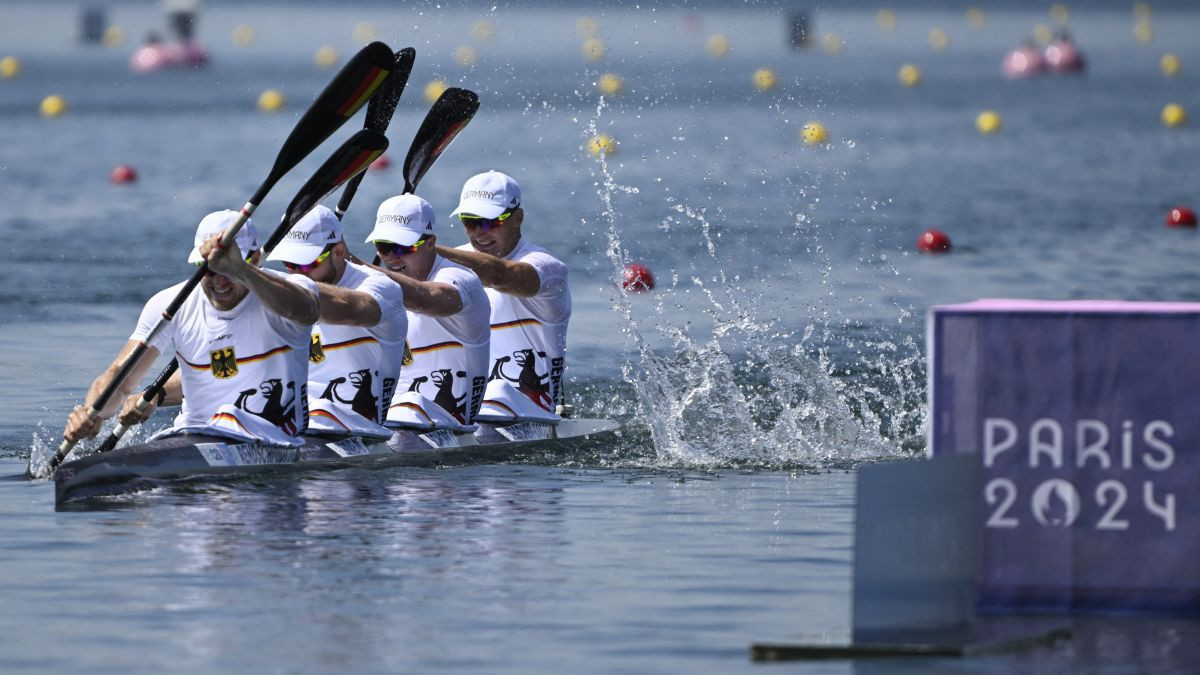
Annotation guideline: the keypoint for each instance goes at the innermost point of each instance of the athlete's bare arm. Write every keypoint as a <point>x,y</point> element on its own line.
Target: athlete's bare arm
<point>348,307</point>
<point>432,298</point>
<point>79,426</point>
<point>279,295</point>
<point>510,277</point>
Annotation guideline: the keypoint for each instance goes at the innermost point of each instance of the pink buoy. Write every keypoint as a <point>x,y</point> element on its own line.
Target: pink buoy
<point>123,174</point>
<point>155,56</point>
<point>1181,216</point>
<point>637,278</point>
<point>933,241</point>
<point>1062,56</point>
<point>381,163</point>
<point>1024,61</point>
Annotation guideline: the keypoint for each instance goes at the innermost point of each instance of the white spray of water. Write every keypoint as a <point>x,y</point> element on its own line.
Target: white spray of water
<point>702,406</point>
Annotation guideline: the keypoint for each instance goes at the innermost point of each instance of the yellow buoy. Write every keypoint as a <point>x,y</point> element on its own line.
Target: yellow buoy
<point>976,18</point>
<point>114,36</point>
<point>938,39</point>
<point>434,89</point>
<point>1143,32</point>
<point>814,133</point>
<point>1173,115</point>
<point>1059,14</point>
<point>910,75</point>
<point>988,122</point>
<point>593,49</point>
<point>1043,34</point>
<point>270,100</point>
<point>886,19</point>
<point>326,56</point>
<point>466,56</point>
<point>483,30</point>
<point>364,32</point>
<point>10,66</point>
<point>53,106</point>
<point>610,84</point>
<point>1170,64</point>
<point>764,79</point>
<point>832,44</point>
<point>718,46</point>
<point>587,27</point>
<point>1141,10</point>
<point>602,145</point>
<point>243,35</point>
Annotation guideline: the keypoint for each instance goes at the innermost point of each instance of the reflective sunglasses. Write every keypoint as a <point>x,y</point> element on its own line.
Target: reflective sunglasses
<point>292,267</point>
<point>472,222</point>
<point>392,248</point>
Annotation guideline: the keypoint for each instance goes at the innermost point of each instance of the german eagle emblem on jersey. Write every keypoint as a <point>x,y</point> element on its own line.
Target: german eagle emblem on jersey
<point>408,357</point>
<point>315,353</point>
<point>224,363</point>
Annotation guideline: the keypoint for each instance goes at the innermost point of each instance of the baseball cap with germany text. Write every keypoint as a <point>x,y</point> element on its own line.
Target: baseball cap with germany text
<point>488,195</point>
<point>246,239</point>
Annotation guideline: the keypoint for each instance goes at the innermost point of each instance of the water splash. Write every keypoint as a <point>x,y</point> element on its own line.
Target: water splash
<point>750,392</point>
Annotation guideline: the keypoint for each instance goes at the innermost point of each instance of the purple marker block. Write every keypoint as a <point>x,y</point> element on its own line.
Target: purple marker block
<point>1086,418</point>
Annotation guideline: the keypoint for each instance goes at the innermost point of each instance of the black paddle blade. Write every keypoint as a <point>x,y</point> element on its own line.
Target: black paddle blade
<point>349,90</point>
<point>355,155</point>
<point>382,105</point>
<point>452,111</point>
<point>379,114</point>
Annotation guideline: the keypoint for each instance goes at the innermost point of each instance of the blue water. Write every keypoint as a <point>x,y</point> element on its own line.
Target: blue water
<point>782,346</point>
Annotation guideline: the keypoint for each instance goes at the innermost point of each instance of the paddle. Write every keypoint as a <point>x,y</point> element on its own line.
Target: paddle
<point>449,115</point>
<point>342,97</point>
<point>349,161</point>
<point>379,114</point>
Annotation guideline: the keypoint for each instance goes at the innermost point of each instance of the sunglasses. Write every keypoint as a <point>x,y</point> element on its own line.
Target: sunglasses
<point>392,248</point>
<point>209,273</point>
<point>472,222</point>
<point>292,267</point>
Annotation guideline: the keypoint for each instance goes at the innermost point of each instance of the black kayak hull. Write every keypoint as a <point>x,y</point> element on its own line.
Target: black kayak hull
<point>196,457</point>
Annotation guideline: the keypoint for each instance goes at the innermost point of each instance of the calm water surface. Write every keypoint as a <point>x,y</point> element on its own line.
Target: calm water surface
<point>782,346</point>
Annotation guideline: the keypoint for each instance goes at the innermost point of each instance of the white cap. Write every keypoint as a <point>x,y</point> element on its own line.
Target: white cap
<point>246,239</point>
<point>488,195</point>
<point>308,237</point>
<point>403,220</point>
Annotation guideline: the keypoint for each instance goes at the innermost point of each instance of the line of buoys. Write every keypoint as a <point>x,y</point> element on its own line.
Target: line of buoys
<point>53,106</point>
<point>988,122</point>
<point>602,145</point>
<point>764,79</point>
<point>814,133</point>
<point>933,241</point>
<point>326,56</point>
<point>122,173</point>
<point>1181,216</point>
<point>434,90</point>
<point>637,278</point>
<point>271,100</point>
<point>610,84</point>
<point>1173,115</point>
<point>10,67</point>
<point>910,75</point>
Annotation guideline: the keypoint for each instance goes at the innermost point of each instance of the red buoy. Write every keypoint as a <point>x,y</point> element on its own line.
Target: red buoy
<point>123,173</point>
<point>933,241</point>
<point>637,278</point>
<point>1181,216</point>
<point>382,162</point>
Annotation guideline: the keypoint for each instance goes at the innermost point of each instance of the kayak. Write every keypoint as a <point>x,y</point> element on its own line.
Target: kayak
<point>191,457</point>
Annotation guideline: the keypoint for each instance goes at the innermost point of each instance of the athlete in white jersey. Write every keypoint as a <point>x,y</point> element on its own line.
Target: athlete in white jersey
<point>242,345</point>
<point>527,287</point>
<point>356,349</point>
<point>448,311</point>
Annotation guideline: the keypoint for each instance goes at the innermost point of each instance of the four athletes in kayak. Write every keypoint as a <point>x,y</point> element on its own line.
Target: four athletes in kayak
<point>335,329</point>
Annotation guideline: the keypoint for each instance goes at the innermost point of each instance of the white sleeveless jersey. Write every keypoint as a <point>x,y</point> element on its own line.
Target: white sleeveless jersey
<point>449,354</point>
<point>529,335</point>
<point>249,357</point>
<point>359,366</point>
